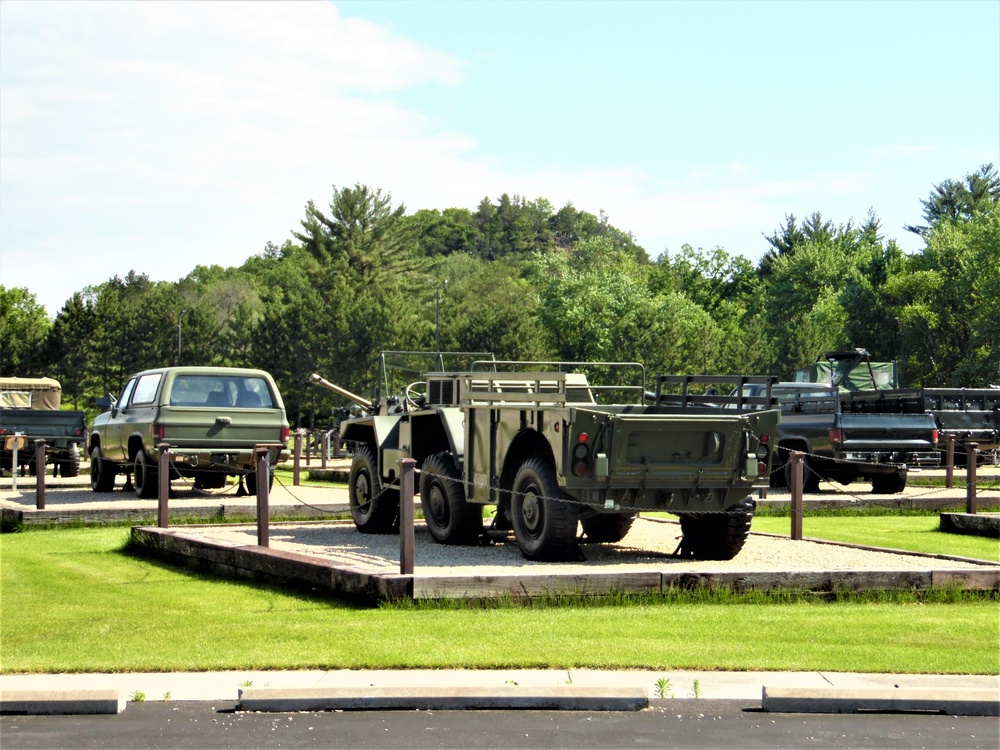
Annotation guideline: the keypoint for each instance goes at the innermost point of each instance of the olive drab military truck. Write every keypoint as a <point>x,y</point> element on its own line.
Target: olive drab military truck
<point>556,451</point>
<point>30,410</point>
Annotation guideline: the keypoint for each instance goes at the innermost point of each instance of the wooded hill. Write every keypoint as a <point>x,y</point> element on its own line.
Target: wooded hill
<point>526,281</point>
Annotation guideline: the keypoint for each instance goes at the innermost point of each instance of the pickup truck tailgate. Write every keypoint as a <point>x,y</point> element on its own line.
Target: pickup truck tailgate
<point>889,432</point>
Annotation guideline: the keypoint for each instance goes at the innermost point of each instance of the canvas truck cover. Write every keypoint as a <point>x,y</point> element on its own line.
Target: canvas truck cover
<point>42,394</point>
<point>849,377</point>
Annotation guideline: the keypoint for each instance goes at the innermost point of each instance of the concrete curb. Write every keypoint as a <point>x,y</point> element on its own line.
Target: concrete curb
<point>37,702</point>
<point>953,701</point>
<point>567,698</point>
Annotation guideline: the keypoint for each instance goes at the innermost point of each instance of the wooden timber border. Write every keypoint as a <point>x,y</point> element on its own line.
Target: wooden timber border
<point>325,576</point>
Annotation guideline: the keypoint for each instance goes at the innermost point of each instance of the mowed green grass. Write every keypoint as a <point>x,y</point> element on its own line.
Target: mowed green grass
<point>915,533</point>
<point>71,600</point>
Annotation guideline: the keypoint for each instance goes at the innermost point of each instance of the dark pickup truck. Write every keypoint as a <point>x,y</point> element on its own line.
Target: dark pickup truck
<point>845,447</point>
<point>29,411</point>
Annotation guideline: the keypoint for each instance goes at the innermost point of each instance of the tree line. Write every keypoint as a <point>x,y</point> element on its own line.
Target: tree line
<point>523,280</point>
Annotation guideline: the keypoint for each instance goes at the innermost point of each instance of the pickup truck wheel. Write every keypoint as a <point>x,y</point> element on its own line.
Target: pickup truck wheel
<point>449,517</point>
<point>544,525</point>
<point>606,527</point>
<point>375,509</point>
<point>144,477</point>
<point>717,536</point>
<point>889,484</point>
<point>810,479</point>
<point>70,466</point>
<point>102,473</point>
<point>251,480</point>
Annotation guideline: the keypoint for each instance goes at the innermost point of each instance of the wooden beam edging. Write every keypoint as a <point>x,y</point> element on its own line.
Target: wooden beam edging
<point>271,565</point>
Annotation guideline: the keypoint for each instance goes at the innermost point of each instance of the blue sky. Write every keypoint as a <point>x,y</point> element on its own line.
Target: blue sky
<point>159,136</point>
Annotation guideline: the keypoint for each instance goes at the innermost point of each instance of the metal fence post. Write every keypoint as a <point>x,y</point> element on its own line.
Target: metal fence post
<point>796,489</point>
<point>971,459</point>
<point>163,486</point>
<point>40,473</point>
<point>297,463</point>
<point>949,468</point>
<point>406,540</point>
<point>263,469</point>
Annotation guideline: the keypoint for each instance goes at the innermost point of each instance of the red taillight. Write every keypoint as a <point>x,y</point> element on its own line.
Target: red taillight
<point>285,433</point>
<point>935,438</point>
<point>761,468</point>
<point>580,469</point>
<point>836,437</point>
<point>159,432</point>
<point>583,437</point>
<point>764,438</point>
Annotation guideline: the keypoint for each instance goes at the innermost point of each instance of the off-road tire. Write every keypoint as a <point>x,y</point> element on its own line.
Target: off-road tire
<point>102,473</point>
<point>606,527</point>
<point>716,536</point>
<point>250,479</point>
<point>544,524</point>
<point>144,477</point>
<point>210,480</point>
<point>70,466</point>
<point>810,478</point>
<point>449,517</point>
<point>889,484</point>
<point>374,508</point>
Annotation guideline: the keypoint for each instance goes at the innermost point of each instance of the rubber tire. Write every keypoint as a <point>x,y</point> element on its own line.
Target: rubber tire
<point>251,480</point>
<point>450,518</point>
<point>144,477</point>
<point>102,473</point>
<point>70,466</point>
<point>605,528</point>
<point>889,484</point>
<point>544,525</point>
<point>375,509</point>
<point>210,480</point>
<point>717,536</point>
<point>810,479</point>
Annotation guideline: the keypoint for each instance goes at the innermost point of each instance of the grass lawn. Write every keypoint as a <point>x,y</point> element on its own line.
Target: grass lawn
<point>73,601</point>
<point>916,533</point>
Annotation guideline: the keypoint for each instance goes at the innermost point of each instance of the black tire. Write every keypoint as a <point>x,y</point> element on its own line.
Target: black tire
<point>102,473</point>
<point>810,479</point>
<point>144,477</point>
<point>450,518</point>
<point>606,527</point>
<point>889,484</point>
<point>251,480</point>
<point>717,536</point>
<point>374,508</point>
<point>210,480</point>
<point>544,524</point>
<point>70,466</point>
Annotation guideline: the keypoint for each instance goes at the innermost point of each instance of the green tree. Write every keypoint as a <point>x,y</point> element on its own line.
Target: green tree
<point>24,325</point>
<point>68,348</point>
<point>960,200</point>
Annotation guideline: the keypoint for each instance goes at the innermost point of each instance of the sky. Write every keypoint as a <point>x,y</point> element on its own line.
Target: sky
<point>159,136</point>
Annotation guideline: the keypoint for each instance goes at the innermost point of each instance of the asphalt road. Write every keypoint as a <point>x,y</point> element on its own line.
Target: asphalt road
<point>687,723</point>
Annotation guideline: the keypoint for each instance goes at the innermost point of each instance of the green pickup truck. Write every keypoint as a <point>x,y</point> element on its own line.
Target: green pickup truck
<point>211,417</point>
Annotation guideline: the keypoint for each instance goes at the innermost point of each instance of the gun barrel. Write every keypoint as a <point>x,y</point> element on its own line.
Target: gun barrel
<point>319,380</point>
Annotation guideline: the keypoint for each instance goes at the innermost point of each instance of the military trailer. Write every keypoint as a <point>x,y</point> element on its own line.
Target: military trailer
<point>30,410</point>
<point>556,452</point>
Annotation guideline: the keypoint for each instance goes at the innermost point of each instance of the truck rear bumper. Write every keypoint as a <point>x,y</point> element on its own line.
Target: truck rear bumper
<point>924,458</point>
<point>225,460</point>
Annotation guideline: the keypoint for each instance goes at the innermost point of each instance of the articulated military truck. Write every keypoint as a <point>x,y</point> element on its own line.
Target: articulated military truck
<point>555,452</point>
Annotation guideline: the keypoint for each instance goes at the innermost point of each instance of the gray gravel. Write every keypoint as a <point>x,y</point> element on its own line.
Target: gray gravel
<point>649,545</point>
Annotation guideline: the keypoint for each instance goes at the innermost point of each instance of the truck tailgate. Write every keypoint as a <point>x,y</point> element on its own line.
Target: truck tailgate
<point>205,427</point>
<point>661,450</point>
<point>888,432</point>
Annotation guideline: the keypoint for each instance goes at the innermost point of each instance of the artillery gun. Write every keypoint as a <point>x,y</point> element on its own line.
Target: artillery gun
<point>555,452</point>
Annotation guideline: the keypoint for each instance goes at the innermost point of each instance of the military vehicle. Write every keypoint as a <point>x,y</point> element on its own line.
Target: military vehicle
<point>558,446</point>
<point>30,410</point>
<point>866,387</point>
<point>212,418</point>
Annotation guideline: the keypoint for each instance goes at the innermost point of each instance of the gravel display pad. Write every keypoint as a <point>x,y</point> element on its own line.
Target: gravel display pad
<point>649,546</point>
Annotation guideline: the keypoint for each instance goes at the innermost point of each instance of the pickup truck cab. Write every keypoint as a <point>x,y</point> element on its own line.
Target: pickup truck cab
<point>211,417</point>
<point>845,447</point>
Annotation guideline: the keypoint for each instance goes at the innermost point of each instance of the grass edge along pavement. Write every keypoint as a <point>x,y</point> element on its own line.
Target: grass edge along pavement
<point>73,602</point>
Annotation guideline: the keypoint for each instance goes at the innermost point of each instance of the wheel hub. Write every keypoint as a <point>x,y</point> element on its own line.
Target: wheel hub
<point>531,512</point>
